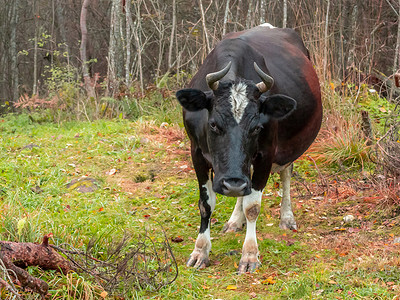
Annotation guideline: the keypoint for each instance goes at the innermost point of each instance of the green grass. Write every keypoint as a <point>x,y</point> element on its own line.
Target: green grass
<point>151,185</point>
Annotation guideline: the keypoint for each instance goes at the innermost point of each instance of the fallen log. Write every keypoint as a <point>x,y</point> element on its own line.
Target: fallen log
<point>17,256</point>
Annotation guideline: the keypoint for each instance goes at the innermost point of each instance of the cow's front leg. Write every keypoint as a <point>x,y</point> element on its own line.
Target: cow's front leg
<point>199,257</point>
<point>251,208</point>
<point>237,219</point>
<point>287,217</point>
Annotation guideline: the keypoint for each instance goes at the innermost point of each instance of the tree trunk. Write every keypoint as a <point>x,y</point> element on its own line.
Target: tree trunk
<point>396,66</point>
<point>263,10</point>
<point>13,50</point>
<point>62,27</point>
<point>205,32</point>
<point>238,10</point>
<point>128,38</point>
<point>171,40</point>
<point>225,18</point>
<point>284,22</point>
<point>85,69</point>
<point>397,53</point>
<point>325,62</point>
<point>159,26</point>
<point>250,15</point>
<point>138,43</point>
<point>111,72</point>
<point>35,50</point>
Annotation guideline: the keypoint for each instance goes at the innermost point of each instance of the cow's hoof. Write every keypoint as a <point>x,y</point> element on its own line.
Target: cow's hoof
<point>198,260</point>
<point>248,266</point>
<point>288,224</point>
<point>232,227</point>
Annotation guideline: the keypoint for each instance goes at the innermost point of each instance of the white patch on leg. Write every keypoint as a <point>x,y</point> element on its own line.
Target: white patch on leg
<point>199,257</point>
<point>251,208</point>
<point>211,195</point>
<point>203,242</point>
<point>251,232</point>
<point>267,25</point>
<point>287,217</point>
<point>249,201</point>
<point>239,100</point>
<point>237,219</point>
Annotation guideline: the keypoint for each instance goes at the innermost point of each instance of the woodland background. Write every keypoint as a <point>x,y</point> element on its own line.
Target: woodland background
<point>122,47</point>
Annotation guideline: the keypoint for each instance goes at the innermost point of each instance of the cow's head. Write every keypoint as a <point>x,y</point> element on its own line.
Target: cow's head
<point>237,112</point>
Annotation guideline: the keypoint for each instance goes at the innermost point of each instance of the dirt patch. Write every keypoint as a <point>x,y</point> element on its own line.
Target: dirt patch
<point>165,156</point>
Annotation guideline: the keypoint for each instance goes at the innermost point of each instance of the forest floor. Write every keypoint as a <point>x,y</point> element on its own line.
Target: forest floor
<point>145,175</point>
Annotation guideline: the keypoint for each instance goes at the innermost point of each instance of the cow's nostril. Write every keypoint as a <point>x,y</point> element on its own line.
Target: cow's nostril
<point>234,185</point>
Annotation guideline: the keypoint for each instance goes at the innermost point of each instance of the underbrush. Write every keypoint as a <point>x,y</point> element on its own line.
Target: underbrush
<point>65,100</point>
<point>355,122</point>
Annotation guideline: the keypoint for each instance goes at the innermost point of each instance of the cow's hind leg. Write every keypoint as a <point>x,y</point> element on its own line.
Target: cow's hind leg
<point>251,208</point>
<point>287,217</point>
<point>237,219</point>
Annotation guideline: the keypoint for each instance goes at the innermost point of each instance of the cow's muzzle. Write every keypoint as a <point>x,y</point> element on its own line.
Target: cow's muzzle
<point>235,187</point>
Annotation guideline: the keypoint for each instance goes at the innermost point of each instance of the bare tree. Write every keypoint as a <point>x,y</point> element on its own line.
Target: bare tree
<point>397,53</point>
<point>225,17</point>
<point>284,22</point>
<point>62,27</point>
<point>250,16</point>
<point>116,49</point>
<point>13,50</point>
<point>35,51</point>
<point>138,43</point>
<point>238,10</point>
<point>203,21</point>
<point>85,69</point>
<point>263,11</point>
<point>325,62</point>
<point>128,38</point>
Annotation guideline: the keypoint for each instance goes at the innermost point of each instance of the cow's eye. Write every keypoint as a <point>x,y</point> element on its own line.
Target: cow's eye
<point>214,126</point>
<point>256,130</point>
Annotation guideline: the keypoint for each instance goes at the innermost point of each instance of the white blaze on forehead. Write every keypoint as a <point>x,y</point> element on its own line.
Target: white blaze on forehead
<point>238,100</point>
<point>267,25</point>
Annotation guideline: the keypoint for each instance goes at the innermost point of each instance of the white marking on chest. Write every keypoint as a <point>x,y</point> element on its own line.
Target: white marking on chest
<point>267,25</point>
<point>238,100</point>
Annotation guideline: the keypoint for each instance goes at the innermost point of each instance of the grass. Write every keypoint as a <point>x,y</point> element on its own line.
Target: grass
<point>153,181</point>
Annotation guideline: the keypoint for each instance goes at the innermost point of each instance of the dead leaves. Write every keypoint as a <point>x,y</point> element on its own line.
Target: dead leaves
<point>177,239</point>
<point>112,172</point>
<point>269,280</point>
<point>231,287</point>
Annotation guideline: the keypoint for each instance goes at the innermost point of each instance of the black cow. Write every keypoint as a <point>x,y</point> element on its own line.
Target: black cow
<point>253,107</point>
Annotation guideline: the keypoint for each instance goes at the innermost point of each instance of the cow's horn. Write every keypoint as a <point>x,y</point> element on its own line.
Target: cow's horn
<point>212,78</point>
<point>267,81</point>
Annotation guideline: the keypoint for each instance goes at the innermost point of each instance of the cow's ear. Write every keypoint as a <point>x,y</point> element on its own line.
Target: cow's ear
<point>194,100</point>
<point>277,106</point>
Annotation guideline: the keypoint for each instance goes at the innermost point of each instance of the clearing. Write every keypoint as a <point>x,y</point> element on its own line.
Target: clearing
<point>144,174</point>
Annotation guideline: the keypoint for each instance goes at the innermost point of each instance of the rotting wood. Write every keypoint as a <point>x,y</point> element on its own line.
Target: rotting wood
<point>366,127</point>
<point>397,80</point>
<point>387,80</point>
<point>17,256</point>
